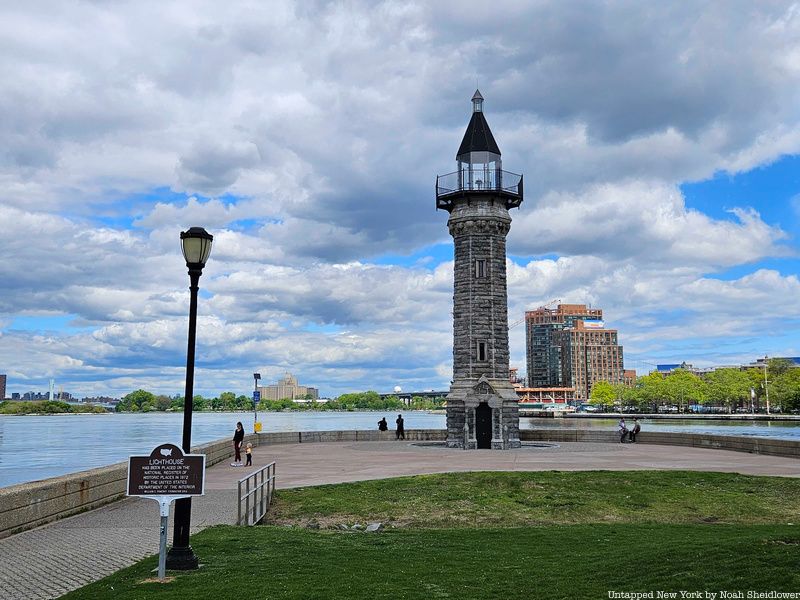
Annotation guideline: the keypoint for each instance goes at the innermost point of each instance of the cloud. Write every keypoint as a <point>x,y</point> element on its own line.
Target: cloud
<point>645,219</point>
<point>211,168</point>
<point>307,137</point>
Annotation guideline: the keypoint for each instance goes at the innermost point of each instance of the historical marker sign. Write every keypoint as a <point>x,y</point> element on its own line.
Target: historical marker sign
<point>167,472</point>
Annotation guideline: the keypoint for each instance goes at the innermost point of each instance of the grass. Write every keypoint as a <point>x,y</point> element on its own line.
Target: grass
<point>561,535</point>
<point>497,499</point>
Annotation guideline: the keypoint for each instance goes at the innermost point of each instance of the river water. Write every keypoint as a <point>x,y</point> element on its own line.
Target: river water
<point>39,447</point>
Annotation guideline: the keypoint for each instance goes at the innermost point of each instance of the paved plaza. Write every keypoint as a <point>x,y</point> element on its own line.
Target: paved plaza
<point>51,560</point>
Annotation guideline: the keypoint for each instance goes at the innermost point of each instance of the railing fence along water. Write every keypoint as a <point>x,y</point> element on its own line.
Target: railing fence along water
<point>255,495</point>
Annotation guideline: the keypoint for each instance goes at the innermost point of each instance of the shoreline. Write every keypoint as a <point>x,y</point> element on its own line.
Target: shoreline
<point>220,412</point>
<point>524,414</point>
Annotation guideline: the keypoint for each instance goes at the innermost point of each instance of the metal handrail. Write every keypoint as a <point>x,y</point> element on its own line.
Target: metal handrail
<point>257,497</point>
<point>479,180</point>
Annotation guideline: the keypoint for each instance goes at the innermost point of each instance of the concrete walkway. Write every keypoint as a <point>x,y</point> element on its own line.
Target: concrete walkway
<point>52,560</point>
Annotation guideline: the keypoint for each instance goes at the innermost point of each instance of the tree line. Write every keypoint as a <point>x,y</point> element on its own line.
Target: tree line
<point>144,401</point>
<point>725,389</point>
<point>50,407</point>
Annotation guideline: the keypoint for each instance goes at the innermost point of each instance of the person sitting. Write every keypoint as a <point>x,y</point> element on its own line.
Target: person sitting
<point>383,425</point>
<point>623,431</point>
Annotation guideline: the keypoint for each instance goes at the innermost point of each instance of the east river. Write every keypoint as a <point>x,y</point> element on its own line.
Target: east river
<point>39,447</point>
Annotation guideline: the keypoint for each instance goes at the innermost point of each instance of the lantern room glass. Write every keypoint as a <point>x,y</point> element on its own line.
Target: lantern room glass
<point>480,171</point>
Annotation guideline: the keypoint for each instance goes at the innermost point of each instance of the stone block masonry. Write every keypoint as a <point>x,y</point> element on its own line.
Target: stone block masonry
<point>479,224</point>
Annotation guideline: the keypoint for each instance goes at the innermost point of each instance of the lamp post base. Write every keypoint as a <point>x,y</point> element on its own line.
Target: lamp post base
<point>181,559</point>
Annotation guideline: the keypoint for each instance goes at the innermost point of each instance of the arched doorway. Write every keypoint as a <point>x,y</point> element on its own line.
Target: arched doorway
<point>483,425</point>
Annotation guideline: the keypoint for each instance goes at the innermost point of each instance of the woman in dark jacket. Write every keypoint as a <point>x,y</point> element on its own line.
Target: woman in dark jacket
<point>238,438</point>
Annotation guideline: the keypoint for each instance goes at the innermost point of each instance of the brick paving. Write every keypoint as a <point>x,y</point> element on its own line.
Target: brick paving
<point>51,560</point>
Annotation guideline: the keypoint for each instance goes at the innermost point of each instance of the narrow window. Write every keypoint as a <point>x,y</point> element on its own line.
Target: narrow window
<point>480,268</point>
<point>481,351</point>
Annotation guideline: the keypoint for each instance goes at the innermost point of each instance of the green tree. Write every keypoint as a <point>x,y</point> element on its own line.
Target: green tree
<point>228,401</point>
<point>199,403</point>
<point>684,388</point>
<point>784,390</point>
<point>163,403</point>
<point>136,401</point>
<point>651,390</point>
<point>729,388</point>
<point>778,366</point>
<point>602,393</point>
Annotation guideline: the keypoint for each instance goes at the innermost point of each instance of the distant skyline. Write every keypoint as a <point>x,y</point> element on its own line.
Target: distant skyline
<point>660,144</point>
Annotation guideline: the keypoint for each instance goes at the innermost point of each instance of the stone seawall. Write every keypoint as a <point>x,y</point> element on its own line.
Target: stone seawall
<point>752,445</point>
<point>32,504</point>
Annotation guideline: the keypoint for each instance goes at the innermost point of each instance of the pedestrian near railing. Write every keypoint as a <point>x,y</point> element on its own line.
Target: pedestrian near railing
<point>255,495</point>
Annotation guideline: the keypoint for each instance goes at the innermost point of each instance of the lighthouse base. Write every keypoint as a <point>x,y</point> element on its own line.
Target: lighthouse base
<point>482,414</point>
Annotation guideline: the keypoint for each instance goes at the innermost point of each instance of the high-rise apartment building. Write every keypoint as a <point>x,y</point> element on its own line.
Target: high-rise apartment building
<point>569,347</point>
<point>543,357</point>
<point>588,354</point>
<point>2,387</point>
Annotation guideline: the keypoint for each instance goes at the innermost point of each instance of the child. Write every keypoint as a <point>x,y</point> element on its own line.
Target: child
<point>249,452</point>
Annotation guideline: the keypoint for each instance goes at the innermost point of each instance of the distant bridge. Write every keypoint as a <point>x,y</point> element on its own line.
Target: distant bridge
<point>406,397</point>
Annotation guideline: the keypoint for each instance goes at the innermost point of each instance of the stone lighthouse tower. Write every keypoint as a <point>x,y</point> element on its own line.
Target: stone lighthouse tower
<point>482,410</point>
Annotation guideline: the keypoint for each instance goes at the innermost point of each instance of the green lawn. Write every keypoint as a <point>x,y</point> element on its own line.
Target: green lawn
<point>496,499</point>
<point>563,535</point>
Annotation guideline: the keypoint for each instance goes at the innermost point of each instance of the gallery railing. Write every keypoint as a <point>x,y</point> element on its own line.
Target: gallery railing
<point>479,180</point>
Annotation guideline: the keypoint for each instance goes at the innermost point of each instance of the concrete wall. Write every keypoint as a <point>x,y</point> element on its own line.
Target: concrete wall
<point>29,505</point>
<point>373,435</point>
<point>771,447</point>
<point>35,503</point>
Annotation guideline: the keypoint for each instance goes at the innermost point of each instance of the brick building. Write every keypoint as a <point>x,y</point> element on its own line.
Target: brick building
<point>569,347</point>
<point>543,359</point>
<point>588,354</point>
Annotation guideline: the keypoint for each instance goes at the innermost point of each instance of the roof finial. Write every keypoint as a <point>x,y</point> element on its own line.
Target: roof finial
<point>477,101</point>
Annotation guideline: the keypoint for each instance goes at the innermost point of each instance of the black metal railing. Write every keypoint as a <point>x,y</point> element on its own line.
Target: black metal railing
<point>479,180</point>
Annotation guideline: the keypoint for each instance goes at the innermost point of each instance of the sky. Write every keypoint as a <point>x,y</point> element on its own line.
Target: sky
<point>659,141</point>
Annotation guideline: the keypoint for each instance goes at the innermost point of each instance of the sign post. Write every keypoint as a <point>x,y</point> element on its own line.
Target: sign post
<point>256,400</point>
<point>165,475</point>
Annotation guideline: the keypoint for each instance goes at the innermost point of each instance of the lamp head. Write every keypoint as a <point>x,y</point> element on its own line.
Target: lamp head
<point>196,245</point>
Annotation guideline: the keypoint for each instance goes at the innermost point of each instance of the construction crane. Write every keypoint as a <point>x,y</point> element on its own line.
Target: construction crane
<point>551,303</point>
<point>545,306</point>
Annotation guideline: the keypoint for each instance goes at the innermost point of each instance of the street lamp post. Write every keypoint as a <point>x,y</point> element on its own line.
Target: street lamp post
<point>196,244</point>
<point>256,377</point>
<point>766,381</point>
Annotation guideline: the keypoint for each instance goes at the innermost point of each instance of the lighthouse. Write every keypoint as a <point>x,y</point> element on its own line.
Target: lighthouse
<point>482,409</point>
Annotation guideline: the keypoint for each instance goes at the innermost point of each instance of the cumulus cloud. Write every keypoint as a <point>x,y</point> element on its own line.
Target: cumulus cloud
<point>307,136</point>
<point>646,219</point>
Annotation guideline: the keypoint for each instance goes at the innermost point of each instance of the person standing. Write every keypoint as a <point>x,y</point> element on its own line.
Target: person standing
<point>238,438</point>
<point>401,432</point>
<point>249,453</point>
<point>634,430</point>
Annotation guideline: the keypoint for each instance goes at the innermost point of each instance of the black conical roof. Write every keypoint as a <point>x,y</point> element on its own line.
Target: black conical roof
<point>478,137</point>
